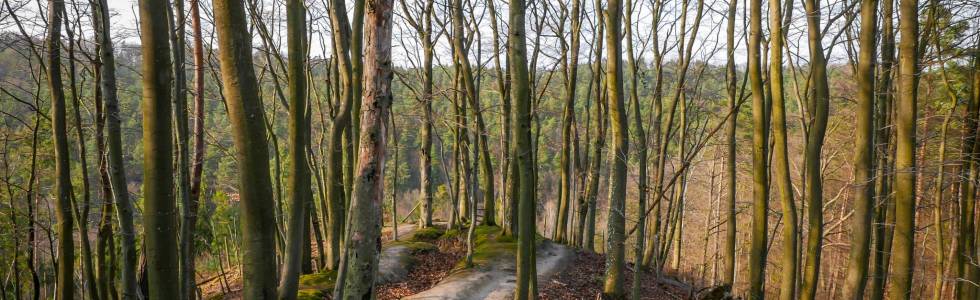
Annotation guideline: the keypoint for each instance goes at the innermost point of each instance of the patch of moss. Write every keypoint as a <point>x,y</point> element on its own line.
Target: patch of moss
<point>323,281</point>
<point>488,245</point>
<point>310,294</point>
<point>427,234</point>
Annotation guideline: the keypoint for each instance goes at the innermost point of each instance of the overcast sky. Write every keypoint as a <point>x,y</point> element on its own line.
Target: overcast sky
<point>709,44</point>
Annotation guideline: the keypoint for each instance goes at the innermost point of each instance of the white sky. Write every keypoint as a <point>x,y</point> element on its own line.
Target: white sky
<point>708,46</point>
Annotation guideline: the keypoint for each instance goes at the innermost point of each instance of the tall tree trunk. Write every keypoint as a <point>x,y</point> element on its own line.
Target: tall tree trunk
<point>160,207</point>
<point>640,137</point>
<point>81,209</point>
<point>760,172</point>
<point>864,156</point>
<point>425,153</point>
<point>818,106</point>
<point>587,213</point>
<point>299,178</point>
<point>616,215</point>
<point>116,166</point>
<point>252,151</point>
<point>336,208</point>
<point>728,276</point>
<point>507,178</point>
<point>884,208</point>
<point>570,70</point>
<point>197,164</point>
<point>178,42</point>
<point>650,252</point>
<point>520,94</point>
<point>364,234</point>
<point>903,242</point>
<point>787,287</point>
<point>940,182</point>
<point>482,135</point>
<point>965,254</point>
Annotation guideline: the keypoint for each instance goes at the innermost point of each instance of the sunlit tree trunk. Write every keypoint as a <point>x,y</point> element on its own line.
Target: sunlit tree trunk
<point>482,135</point>
<point>787,287</point>
<point>616,215</point>
<point>884,210</point>
<point>159,204</point>
<point>570,72</point>
<point>903,242</point>
<point>964,257</point>
<point>760,144</point>
<point>587,212</point>
<point>364,238</point>
<point>728,276</point>
<point>864,156</point>
<point>252,152</point>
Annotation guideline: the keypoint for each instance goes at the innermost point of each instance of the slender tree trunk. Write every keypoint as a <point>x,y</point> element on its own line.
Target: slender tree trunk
<point>592,186</point>
<point>760,172</point>
<point>81,209</point>
<point>616,215</point>
<point>336,209</point>
<point>176,17</point>
<point>884,208</point>
<point>640,136</point>
<point>520,94</point>
<point>938,194</point>
<point>425,153</point>
<point>728,276</point>
<point>965,254</point>
<point>364,242</point>
<point>570,68</point>
<point>818,106</point>
<point>197,164</point>
<point>787,287</point>
<point>864,156</point>
<point>508,167</point>
<point>903,242</point>
<point>252,151</point>
<point>116,166</point>
<point>299,178</point>
<point>160,207</point>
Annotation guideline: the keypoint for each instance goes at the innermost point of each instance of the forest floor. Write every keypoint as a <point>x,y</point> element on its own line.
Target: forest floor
<point>430,264</point>
<point>583,279</point>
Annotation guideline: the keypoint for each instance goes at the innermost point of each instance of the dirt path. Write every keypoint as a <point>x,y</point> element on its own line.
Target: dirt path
<point>497,281</point>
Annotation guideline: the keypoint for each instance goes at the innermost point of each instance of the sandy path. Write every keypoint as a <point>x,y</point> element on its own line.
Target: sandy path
<point>498,280</point>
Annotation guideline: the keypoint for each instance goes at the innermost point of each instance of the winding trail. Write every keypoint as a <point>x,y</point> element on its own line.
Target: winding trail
<point>497,280</point>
